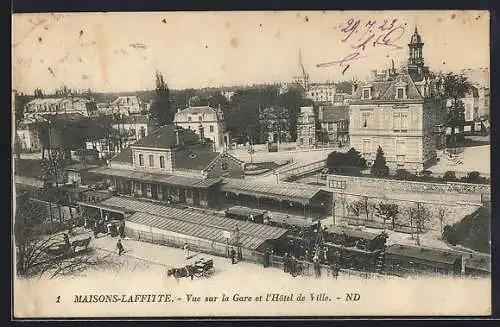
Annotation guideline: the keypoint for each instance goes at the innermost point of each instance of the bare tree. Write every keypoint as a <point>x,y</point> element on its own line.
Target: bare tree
<point>74,264</point>
<point>441,213</point>
<point>37,253</point>
<point>419,215</point>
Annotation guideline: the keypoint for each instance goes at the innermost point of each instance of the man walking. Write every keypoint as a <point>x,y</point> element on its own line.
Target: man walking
<point>233,256</point>
<point>119,246</point>
<point>186,252</point>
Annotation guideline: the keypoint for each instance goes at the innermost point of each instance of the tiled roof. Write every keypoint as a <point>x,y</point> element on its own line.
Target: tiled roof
<point>334,113</point>
<point>195,159</point>
<point>157,178</point>
<point>386,89</point>
<point>195,223</point>
<point>199,110</point>
<point>125,156</point>
<point>164,137</point>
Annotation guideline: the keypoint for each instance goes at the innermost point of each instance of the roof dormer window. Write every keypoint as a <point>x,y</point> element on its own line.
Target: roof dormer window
<point>401,90</point>
<point>367,92</point>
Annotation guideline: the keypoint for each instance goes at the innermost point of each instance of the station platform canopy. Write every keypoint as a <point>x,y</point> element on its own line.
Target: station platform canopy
<point>157,178</point>
<point>194,222</point>
<point>294,192</point>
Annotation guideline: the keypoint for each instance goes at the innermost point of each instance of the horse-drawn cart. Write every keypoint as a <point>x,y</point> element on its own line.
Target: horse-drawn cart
<point>203,268</point>
<point>200,268</point>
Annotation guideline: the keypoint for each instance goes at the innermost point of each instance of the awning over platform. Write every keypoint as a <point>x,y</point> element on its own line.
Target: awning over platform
<point>283,191</point>
<point>205,232</point>
<point>251,233</point>
<point>157,178</point>
<point>106,207</point>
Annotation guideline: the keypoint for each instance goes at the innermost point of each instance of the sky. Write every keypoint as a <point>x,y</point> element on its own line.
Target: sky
<point>120,52</point>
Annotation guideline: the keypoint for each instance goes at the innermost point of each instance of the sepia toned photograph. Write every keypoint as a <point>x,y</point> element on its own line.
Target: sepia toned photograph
<point>244,164</point>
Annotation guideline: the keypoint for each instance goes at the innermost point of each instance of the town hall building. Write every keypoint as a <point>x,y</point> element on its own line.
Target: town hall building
<point>401,111</point>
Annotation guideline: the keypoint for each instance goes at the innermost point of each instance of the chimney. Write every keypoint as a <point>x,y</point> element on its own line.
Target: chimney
<point>374,74</point>
<point>178,136</point>
<point>354,86</point>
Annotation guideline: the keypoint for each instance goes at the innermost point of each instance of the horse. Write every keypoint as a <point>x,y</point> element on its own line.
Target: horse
<point>178,273</point>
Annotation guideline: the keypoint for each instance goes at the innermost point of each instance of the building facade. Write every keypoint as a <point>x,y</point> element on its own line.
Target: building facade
<point>207,122</point>
<point>403,112</point>
<point>171,164</point>
<point>134,127</point>
<point>29,139</point>
<point>334,121</point>
<point>126,105</point>
<point>53,106</point>
<point>306,128</point>
<point>322,92</point>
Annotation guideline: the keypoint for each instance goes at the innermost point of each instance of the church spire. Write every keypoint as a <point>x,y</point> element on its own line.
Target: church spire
<point>302,77</point>
<point>415,58</point>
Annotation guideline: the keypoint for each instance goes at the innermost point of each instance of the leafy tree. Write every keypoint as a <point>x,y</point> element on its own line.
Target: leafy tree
<point>345,163</point>
<point>405,175</point>
<point>379,167</point>
<point>355,159</point>
<point>160,112</point>
<point>387,211</point>
<point>455,88</point>
<point>242,114</point>
<point>474,177</point>
<point>293,100</point>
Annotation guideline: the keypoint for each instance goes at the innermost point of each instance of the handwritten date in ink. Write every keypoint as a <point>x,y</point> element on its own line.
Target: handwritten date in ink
<point>367,34</point>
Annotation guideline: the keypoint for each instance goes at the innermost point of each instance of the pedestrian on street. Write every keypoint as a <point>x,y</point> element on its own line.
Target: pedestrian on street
<point>119,246</point>
<point>233,256</point>
<point>286,262</point>
<point>96,229</point>
<point>186,251</point>
<point>121,229</point>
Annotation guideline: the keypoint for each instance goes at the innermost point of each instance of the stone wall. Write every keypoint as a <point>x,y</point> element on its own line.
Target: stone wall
<point>333,181</point>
